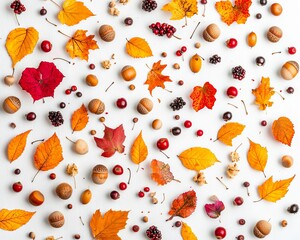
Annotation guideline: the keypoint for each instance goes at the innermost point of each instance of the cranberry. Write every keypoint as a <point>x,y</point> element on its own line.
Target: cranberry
<point>178,53</point>
<point>177,224</point>
<point>128,21</point>
<point>43,11</point>
<point>135,228</point>
<point>122,186</point>
<point>118,170</point>
<point>46,46</point>
<point>73,88</point>
<point>141,194</point>
<point>232,92</point>
<point>220,232</point>
<point>199,132</point>
<point>238,201</point>
<point>187,124</point>
<point>183,49</point>
<point>162,143</point>
<point>263,123</point>
<point>231,43</point>
<point>115,195</point>
<point>121,103</point>
<point>242,221</point>
<point>62,105</point>
<point>17,171</point>
<point>17,187</point>
<point>68,91</point>
<point>92,66</point>
<point>30,116</point>
<point>146,189</point>
<point>227,116</point>
<point>290,90</point>
<point>291,50</point>
<point>52,176</point>
<point>69,206</point>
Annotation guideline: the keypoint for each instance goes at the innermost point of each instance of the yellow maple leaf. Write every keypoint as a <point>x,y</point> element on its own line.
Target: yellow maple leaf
<point>263,93</point>
<point>79,119</point>
<point>181,8</point>
<point>73,12</point>
<point>16,146</point>
<point>80,44</point>
<point>257,156</point>
<point>11,220</point>
<point>283,130</point>
<point>187,233</point>
<point>138,48</point>
<point>274,191</point>
<point>139,150</point>
<point>107,227</point>
<point>197,158</point>
<point>21,42</point>
<point>229,131</point>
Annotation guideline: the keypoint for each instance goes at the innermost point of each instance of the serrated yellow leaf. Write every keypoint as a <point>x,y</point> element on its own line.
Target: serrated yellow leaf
<point>11,220</point>
<point>79,119</point>
<point>21,42</point>
<point>274,191</point>
<point>181,8</point>
<point>139,150</point>
<point>16,146</point>
<point>197,158</point>
<point>257,156</point>
<point>187,233</point>
<point>138,48</point>
<point>283,130</point>
<point>229,131</point>
<point>263,94</point>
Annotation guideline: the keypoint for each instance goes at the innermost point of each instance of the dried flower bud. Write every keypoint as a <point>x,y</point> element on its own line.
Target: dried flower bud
<point>112,4</point>
<point>232,170</point>
<point>235,157</point>
<point>72,170</point>
<point>154,200</point>
<point>124,2</point>
<point>200,179</point>
<point>152,194</point>
<point>106,64</point>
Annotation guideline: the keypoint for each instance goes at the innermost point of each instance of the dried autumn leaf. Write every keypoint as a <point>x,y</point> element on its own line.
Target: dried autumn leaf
<point>139,150</point>
<point>181,8</point>
<point>197,158</point>
<point>20,42</point>
<point>229,131</point>
<point>187,232</point>
<point>184,205</point>
<point>203,96</point>
<point>237,13</point>
<point>16,146</point>
<point>257,156</point>
<point>138,48</point>
<point>155,78</point>
<point>80,44</point>
<point>274,191</point>
<point>107,227</point>
<point>112,141</point>
<point>79,119</point>
<point>72,12</point>
<point>213,210</point>
<point>263,93</point>
<point>283,130</point>
<point>11,220</point>
<point>160,172</point>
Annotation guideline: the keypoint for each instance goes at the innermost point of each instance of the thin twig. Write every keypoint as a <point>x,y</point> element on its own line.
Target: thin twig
<point>39,140</point>
<point>129,178</point>
<point>164,198</point>
<point>244,106</point>
<point>232,105</point>
<point>238,147</point>
<point>64,34</point>
<point>17,19</point>
<point>51,22</point>
<point>109,86</point>
<point>276,52</point>
<point>81,221</point>
<point>222,183</point>
<point>57,58</point>
<point>280,95</point>
<point>195,30</point>
<point>176,37</point>
<point>55,3</point>
<point>164,154</point>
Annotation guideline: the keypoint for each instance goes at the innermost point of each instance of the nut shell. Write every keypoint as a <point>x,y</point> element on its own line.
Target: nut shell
<point>251,39</point>
<point>64,191</point>
<point>211,33</point>
<point>96,106</point>
<point>36,198</point>
<point>11,104</point>
<point>99,174</point>
<point>274,34</point>
<point>107,33</point>
<point>287,161</point>
<point>156,124</point>
<point>128,73</point>
<point>86,196</point>
<point>91,80</point>
<point>9,80</point>
<point>56,219</point>
<point>289,70</point>
<point>145,106</point>
<point>262,229</point>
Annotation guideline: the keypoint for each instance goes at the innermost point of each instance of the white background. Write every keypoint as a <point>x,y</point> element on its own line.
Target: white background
<point>207,120</point>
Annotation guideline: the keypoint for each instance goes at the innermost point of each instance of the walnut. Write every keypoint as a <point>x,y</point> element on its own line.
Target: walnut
<point>200,179</point>
<point>235,157</point>
<point>232,170</point>
<point>106,64</point>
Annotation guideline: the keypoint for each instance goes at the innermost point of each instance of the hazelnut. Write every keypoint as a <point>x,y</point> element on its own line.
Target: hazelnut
<point>128,73</point>
<point>96,106</point>
<point>36,198</point>
<point>145,219</point>
<point>107,33</point>
<point>276,9</point>
<point>197,45</point>
<point>156,124</point>
<point>11,104</point>
<point>9,80</point>
<point>144,106</point>
<point>176,66</point>
<point>289,70</point>
<point>64,191</point>
<point>56,219</point>
<point>99,174</point>
<point>274,34</point>
<point>91,80</point>
<point>262,229</point>
<point>211,33</point>
<point>86,196</point>
<point>287,161</point>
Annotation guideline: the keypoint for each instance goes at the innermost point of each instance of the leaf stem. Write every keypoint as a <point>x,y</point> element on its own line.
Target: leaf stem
<point>244,106</point>
<point>138,168</point>
<point>64,34</point>
<point>280,95</point>
<point>176,37</point>
<point>276,52</point>
<point>80,218</point>
<point>232,105</point>
<point>39,140</point>
<point>238,147</point>
<point>58,58</point>
<point>195,30</point>
<point>264,174</point>
<point>129,178</point>
<point>55,3</point>
<point>17,19</point>
<point>35,175</point>
<point>164,198</point>
<point>176,180</point>
<point>222,183</point>
<point>70,140</point>
<point>51,22</point>
<point>257,200</point>
<point>164,154</point>
<point>109,86</point>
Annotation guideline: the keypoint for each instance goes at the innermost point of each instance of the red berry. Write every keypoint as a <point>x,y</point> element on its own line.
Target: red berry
<point>68,91</point>
<point>187,124</point>
<point>242,221</point>
<point>231,43</point>
<point>141,194</point>
<point>46,46</point>
<point>92,66</point>
<point>135,228</point>
<point>292,50</point>
<point>122,186</point>
<point>146,189</point>
<point>121,103</point>
<point>17,187</point>
<point>17,171</point>
<point>183,49</point>
<point>199,133</point>
<point>232,92</point>
<point>220,232</point>
<point>178,53</point>
<point>162,143</point>
<point>73,88</point>
<point>264,123</point>
<point>177,224</point>
<point>238,201</point>
<point>30,116</point>
<point>115,195</point>
<point>118,170</point>
<point>52,176</point>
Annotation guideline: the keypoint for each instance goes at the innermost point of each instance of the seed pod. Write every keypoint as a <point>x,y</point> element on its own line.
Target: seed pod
<point>99,174</point>
<point>86,196</point>
<point>96,106</point>
<point>36,198</point>
<point>107,33</point>
<point>64,191</point>
<point>287,161</point>
<point>11,104</point>
<point>211,33</point>
<point>128,73</point>
<point>289,70</point>
<point>91,80</point>
<point>195,63</point>
<point>144,106</point>
<point>262,229</point>
<point>252,39</point>
<point>274,34</point>
<point>9,80</point>
<point>56,219</point>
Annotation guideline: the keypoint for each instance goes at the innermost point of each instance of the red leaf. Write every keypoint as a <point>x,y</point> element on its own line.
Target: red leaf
<point>112,141</point>
<point>41,82</point>
<point>203,96</point>
<point>184,205</point>
<point>214,210</point>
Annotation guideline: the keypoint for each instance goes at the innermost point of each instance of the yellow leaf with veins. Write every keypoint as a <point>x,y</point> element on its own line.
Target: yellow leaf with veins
<point>181,8</point>
<point>263,94</point>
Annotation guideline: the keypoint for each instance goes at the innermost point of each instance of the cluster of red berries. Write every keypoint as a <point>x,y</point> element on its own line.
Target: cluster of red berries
<point>162,29</point>
<point>18,7</point>
<point>181,51</point>
<point>73,89</point>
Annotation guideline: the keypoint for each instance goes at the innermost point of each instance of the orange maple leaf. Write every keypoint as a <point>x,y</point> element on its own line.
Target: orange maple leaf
<point>237,13</point>
<point>16,146</point>
<point>79,119</point>
<point>155,78</point>
<point>283,130</point>
<point>107,227</point>
<point>161,172</point>
<point>263,93</point>
<point>229,131</point>
<point>203,96</point>
<point>80,44</point>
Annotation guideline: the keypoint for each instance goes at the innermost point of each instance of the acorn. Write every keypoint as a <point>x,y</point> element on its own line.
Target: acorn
<point>289,70</point>
<point>96,106</point>
<point>262,229</point>
<point>195,63</point>
<point>107,33</point>
<point>156,124</point>
<point>86,196</point>
<point>36,198</point>
<point>9,80</point>
<point>56,219</point>
<point>64,191</point>
<point>11,104</point>
<point>99,174</point>
<point>274,34</point>
<point>144,106</point>
<point>251,39</point>
<point>91,80</point>
<point>128,73</point>
<point>211,33</point>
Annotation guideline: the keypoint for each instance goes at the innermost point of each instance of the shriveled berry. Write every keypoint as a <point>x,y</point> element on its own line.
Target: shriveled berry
<point>238,201</point>
<point>246,184</point>
<point>128,21</point>
<point>290,90</point>
<point>135,228</point>
<point>242,221</point>
<point>176,131</point>
<point>115,195</point>
<point>79,94</point>
<point>294,208</point>
<point>227,116</point>
<point>69,206</point>
<point>240,237</point>
<point>177,224</point>
<point>43,11</point>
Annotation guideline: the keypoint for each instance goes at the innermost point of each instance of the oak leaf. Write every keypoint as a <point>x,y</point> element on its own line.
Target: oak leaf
<point>184,205</point>
<point>80,44</point>
<point>229,131</point>
<point>197,158</point>
<point>138,48</point>
<point>283,130</point>
<point>187,232</point>
<point>139,150</point>
<point>107,227</point>
<point>20,42</point>
<point>41,82</point>
<point>11,220</point>
<point>274,191</point>
<point>203,96</point>
<point>155,78</point>
<point>263,93</point>
<point>181,8</point>
<point>160,172</point>
<point>16,146</point>
<point>112,141</point>
<point>79,119</point>
<point>237,13</point>
<point>72,12</point>
<point>257,156</point>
